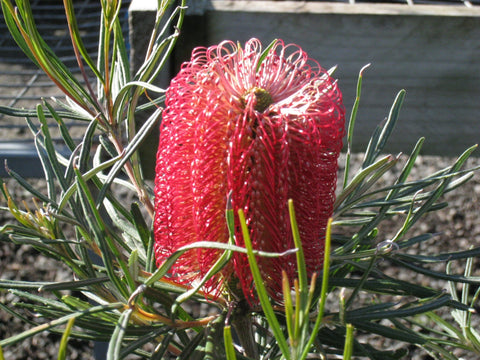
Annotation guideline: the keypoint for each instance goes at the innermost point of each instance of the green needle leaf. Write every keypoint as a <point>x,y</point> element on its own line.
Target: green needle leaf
<point>323,291</point>
<point>262,291</point>
<point>351,126</point>
<point>348,349</point>
<point>115,344</point>
<point>62,350</point>
<point>227,339</point>
<point>301,266</point>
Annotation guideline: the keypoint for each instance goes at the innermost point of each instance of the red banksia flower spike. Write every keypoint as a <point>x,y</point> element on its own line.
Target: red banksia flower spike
<point>264,129</point>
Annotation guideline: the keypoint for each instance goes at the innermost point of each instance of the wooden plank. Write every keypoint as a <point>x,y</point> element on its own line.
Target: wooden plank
<point>321,7</point>
<point>22,157</point>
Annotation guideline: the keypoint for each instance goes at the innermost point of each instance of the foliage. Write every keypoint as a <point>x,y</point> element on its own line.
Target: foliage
<point>82,222</point>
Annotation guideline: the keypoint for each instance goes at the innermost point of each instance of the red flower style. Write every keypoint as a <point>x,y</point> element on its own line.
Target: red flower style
<point>263,128</point>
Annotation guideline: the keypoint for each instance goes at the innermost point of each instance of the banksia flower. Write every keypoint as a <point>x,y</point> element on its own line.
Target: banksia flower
<point>261,127</point>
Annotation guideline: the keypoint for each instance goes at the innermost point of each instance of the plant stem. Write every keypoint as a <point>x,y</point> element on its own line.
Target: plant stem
<point>143,197</point>
<point>242,321</point>
<point>243,324</point>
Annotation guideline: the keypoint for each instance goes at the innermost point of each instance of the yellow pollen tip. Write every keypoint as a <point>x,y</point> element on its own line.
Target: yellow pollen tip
<point>263,97</point>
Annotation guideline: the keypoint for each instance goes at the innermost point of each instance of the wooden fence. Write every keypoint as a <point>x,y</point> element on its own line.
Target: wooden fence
<point>432,51</point>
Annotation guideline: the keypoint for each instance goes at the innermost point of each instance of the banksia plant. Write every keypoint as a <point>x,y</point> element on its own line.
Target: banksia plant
<point>243,217</point>
<point>248,129</point>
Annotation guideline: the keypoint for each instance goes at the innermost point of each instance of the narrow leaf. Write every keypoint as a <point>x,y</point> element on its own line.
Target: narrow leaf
<point>115,344</point>
<point>62,350</point>
<point>228,341</point>
<point>262,291</point>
